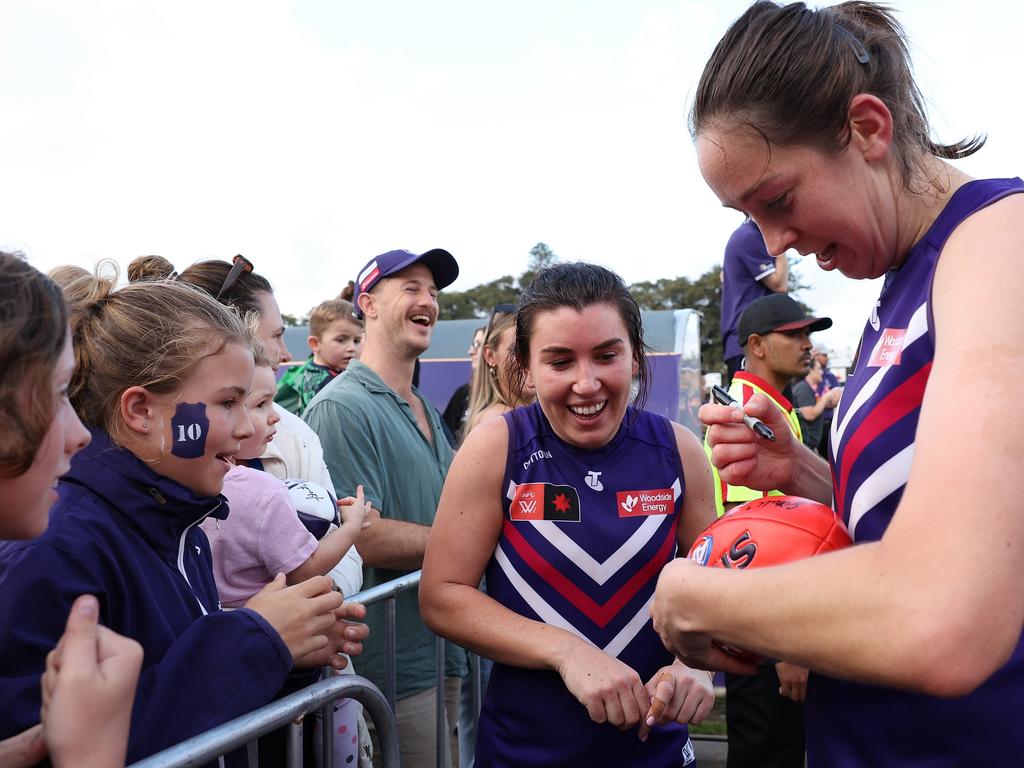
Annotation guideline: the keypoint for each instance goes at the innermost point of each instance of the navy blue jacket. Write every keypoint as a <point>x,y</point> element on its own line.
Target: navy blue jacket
<point>131,537</point>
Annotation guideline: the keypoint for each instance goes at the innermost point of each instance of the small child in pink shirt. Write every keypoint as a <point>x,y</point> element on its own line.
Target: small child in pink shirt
<point>263,536</point>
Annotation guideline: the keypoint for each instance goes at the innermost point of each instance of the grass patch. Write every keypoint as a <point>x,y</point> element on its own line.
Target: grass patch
<point>715,722</point>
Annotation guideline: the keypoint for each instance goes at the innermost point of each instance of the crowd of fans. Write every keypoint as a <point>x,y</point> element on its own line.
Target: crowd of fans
<point>177,546</point>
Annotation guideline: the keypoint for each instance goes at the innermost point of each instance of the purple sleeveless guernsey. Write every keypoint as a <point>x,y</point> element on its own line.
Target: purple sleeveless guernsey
<point>585,535</point>
<point>872,444</point>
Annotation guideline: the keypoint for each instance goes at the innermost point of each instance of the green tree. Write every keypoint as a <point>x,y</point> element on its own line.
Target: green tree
<point>703,294</point>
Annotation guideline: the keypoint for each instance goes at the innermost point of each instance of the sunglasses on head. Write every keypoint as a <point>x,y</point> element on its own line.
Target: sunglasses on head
<point>239,264</point>
<point>499,311</point>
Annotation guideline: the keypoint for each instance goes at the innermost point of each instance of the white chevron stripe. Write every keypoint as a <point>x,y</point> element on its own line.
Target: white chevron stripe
<point>632,629</point>
<point>599,572</point>
<point>917,328</point>
<point>540,606</point>
<point>879,484</point>
<point>551,616</point>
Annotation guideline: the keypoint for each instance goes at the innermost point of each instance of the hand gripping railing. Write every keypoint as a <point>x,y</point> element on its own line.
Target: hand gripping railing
<point>245,729</point>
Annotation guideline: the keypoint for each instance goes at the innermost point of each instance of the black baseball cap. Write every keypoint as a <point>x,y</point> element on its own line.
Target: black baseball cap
<point>442,266</point>
<point>777,312</point>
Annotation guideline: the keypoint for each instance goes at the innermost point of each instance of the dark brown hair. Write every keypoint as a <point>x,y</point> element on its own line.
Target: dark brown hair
<point>790,72</point>
<point>577,285</point>
<point>33,327</point>
<point>243,295</point>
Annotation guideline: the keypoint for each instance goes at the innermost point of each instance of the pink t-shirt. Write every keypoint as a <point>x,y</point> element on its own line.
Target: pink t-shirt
<point>260,538</point>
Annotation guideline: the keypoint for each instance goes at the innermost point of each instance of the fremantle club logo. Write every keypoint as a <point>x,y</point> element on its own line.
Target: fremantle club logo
<point>702,550</point>
<point>188,430</point>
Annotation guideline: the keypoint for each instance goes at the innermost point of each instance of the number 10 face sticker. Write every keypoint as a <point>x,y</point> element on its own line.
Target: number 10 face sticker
<point>189,428</point>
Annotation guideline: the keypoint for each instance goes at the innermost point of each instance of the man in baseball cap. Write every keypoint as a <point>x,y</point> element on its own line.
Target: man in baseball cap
<point>774,333</point>
<point>777,313</point>
<point>441,264</point>
<point>380,432</point>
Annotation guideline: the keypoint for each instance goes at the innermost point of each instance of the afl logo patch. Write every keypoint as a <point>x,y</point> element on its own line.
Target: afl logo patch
<point>702,550</point>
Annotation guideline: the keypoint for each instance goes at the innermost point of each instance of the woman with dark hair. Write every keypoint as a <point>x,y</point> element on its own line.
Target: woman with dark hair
<point>811,123</point>
<point>572,505</point>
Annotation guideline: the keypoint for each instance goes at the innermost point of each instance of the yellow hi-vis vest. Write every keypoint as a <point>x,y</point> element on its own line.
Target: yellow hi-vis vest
<point>744,385</point>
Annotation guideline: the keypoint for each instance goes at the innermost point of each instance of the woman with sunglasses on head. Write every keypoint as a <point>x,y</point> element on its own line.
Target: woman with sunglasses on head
<point>492,390</point>
<point>571,506</point>
<point>913,635</point>
<point>88,692</point>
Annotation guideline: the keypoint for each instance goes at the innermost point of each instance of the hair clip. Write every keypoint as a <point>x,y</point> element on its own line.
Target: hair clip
<point>858,47</point>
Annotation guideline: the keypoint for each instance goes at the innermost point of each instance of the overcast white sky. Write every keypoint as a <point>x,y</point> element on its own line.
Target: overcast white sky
<point>312,135</point>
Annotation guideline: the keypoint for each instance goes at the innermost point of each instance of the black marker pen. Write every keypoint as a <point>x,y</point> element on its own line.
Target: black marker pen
<point>722,397</point>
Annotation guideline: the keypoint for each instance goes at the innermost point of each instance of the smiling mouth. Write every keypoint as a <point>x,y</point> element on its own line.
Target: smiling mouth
<point>587,411</point>
<point>825,256</point>
<point>423,320</point>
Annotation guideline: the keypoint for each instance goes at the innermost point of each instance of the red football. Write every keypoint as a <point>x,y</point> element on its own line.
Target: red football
<point>769,531</point>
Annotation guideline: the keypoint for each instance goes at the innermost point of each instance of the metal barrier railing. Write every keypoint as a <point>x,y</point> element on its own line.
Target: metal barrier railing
<point>388,593</point>
<point>244,730</point>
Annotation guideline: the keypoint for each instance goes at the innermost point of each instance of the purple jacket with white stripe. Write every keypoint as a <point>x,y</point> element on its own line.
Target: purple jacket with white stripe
<point>131,537</point>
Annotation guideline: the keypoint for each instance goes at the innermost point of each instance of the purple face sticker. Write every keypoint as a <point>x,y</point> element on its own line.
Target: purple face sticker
<point>188,430</point>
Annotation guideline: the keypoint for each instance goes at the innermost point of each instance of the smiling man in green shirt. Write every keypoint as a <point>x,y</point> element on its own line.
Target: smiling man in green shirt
<point>378,431</point>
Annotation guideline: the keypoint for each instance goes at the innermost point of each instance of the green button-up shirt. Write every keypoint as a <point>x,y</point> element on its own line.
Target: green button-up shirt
<point>370,437</point>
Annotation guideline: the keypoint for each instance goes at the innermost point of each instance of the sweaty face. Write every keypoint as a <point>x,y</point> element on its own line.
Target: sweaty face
<point>340,344</point>
<point>837,206</point>
<point>581,365</point>
<point>403,310</point>
<point>25,500</point>
<point>259,405</point>
<point>200,427</point>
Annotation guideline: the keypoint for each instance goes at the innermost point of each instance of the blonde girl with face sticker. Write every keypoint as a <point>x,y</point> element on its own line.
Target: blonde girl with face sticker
<point>264,536</point>
<point>161,372</point>
<point>810,122</point>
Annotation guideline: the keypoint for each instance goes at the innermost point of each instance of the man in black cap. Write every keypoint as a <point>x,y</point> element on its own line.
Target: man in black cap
<point>764,728</point>
<point>379,432</point>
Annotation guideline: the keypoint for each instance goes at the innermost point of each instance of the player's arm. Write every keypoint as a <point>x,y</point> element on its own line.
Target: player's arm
<point>463,538</point>
<point>935,605</point>
<point>699,497</point>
